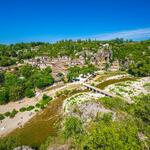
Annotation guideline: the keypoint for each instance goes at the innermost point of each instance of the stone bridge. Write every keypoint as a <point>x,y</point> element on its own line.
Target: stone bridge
<point>94,89</point>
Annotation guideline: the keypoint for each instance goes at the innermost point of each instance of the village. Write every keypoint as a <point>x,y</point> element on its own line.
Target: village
<point>60,65</point>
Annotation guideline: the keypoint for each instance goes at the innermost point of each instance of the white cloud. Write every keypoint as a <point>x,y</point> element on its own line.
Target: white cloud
<point>138,34</point>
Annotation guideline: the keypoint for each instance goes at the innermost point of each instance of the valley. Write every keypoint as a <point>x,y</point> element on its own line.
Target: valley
<point>61,99</point>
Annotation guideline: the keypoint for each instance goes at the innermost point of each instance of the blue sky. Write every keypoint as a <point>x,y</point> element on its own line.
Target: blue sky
<point>51,20</point>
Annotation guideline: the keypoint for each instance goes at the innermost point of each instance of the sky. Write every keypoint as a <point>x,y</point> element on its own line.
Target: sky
<point>52,20</point>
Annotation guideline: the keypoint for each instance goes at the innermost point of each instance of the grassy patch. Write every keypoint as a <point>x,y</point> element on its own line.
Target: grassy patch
<point>114,103</point>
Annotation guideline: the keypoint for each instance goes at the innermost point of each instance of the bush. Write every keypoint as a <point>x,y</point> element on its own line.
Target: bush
<point>42,106</point>
<point>72,127</point>
<point>13,113</point>
<point>107,117</point>
<point>37,105</point>
<point>46,97</point>
<point>29,108</point>
<point>9,143</point>
<point>7,114</point>
<point>36,110</point>
<point>23,109</point>
<point>141,109</point>
<point>2,117</point>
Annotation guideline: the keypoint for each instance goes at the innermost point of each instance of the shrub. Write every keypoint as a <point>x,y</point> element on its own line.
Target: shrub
<point>36,110</point>
<point>8,143</point>
<point>13,113</point>
<point>141,109</point>
<point>2,117</point>
<point>42,106</point>
<point>72,127</point>
<point>37,105</point>
<point>29,108</point>
<point>23,109</point>
<point>46,97</point>
<point>46,144</point>
<point>7,114</point>
<point>107,117</point>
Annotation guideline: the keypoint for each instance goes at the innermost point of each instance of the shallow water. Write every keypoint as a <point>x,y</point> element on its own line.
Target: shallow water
<point>45,123</point>
<point>113,81</point>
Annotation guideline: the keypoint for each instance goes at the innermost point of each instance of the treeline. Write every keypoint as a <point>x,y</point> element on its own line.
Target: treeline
<point>61,48</point>
<point>10,54</point>
<point>126,51</point>
<point>140,68</point>
<point>22,82</point>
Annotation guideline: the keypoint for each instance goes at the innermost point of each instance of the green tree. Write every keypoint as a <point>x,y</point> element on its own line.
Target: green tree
<point>43,80</point>
<point>4,95</point>
<point>2,78</point>
<point>29,93</point>
<point>16,93</point>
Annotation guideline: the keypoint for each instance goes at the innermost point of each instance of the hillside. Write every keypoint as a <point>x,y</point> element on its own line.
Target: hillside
<point>83,95</point>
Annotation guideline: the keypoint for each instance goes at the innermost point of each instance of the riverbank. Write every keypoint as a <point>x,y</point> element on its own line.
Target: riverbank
<point>9,124</point>
<point>45,123</point>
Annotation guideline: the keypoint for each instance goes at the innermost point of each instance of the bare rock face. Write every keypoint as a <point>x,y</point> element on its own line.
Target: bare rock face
<point>23,148</point>
<point>114,66</point>
<point>103,56</point>
<point>125,63</point>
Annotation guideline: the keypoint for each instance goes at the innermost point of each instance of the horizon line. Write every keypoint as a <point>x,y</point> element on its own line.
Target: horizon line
<point>135,35</point>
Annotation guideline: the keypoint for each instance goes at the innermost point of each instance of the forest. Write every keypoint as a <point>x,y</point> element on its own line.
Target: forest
<point>23,82</point>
